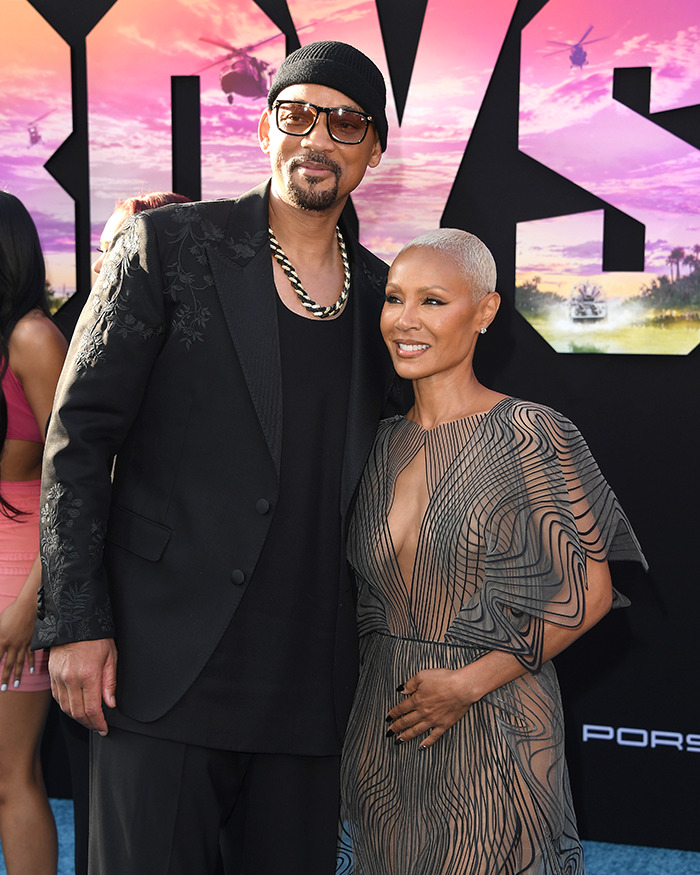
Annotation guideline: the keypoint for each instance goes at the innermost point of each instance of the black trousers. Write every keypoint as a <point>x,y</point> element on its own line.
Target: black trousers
<point>165,808</point>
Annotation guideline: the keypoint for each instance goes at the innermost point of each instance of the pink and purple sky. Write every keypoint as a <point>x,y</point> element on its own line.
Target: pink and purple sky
<point>404,196</point>
<point>570,122</point>
<point>568,118</point>
<point>35,84</point>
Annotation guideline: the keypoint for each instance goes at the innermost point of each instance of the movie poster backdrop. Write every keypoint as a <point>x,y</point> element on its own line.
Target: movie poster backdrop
<point>567,136</point>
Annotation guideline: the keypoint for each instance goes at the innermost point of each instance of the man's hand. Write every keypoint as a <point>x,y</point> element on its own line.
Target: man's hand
<point>83,674</point>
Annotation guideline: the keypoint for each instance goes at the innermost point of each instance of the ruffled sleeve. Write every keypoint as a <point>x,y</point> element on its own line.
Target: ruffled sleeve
<point>546,509</point>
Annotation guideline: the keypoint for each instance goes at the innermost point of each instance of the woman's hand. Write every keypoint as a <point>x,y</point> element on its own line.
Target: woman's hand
<point>436,699</point>
<point>16,628</point>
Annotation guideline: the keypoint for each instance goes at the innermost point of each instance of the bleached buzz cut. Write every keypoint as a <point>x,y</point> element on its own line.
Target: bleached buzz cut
<point>471,255</point>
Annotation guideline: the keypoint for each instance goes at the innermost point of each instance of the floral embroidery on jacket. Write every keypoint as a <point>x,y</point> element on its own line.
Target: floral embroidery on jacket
<point>248,245</point>
<point>190,239</point>
<point>113,315</point>
<point>376,281</point>
<point>194,236</point>
<point>111,301</point>
<point>73,613</point>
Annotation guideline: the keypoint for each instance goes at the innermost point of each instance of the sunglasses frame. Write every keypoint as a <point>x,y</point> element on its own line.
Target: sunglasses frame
<point>321,109</point>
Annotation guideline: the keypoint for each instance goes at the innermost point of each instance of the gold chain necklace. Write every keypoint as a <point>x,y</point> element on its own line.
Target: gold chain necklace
<point>311,305</point>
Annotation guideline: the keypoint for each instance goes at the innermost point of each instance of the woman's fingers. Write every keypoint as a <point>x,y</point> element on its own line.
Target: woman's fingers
<point>420,727</point>
<point>14,663</point>
<point>432,705</point>
<point>19,665</point>
<point>7,668</point>
<point>433,736</point>
<point>402,735</point>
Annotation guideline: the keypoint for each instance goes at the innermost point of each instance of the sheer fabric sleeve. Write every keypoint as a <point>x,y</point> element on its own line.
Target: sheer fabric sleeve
<point>548,510</point>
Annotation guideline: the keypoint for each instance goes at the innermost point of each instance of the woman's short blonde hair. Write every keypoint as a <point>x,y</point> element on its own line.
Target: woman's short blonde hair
<point>472,256</point>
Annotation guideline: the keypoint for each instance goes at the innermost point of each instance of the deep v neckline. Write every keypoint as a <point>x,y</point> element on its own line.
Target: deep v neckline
<point>408,579</point>
<point>459,433</point>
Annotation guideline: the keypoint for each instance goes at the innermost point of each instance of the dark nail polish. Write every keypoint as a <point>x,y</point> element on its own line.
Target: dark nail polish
<point>390,733</point>
<point>422,747</point>
<point>399,740</point>
<point>389,719</point>
<point>399,689</point>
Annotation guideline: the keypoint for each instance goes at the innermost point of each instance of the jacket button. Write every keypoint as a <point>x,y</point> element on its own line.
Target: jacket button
<point>262,505</point>
<point>237,577</point>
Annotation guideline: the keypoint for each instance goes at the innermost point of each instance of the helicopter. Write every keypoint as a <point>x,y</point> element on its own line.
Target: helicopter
<point>577,54</point>
<point>244,74</point>
<point>33,129</point>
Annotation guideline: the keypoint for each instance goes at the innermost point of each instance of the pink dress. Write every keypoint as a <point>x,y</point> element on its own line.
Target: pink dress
<point>19,538</point>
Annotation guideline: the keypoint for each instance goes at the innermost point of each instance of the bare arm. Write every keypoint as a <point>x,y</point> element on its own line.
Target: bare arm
<point>36,351</point>
<point>16,627</point>
<point>437,698</point>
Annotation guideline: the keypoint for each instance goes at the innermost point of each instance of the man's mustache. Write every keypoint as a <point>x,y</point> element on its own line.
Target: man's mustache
<point>317,158</point>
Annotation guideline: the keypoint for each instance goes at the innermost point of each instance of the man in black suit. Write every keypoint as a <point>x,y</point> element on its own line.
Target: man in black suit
<point>230,361</point>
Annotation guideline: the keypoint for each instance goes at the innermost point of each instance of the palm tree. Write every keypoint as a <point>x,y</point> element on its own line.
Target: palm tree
<point>676,255</point>
<point>691,260</point>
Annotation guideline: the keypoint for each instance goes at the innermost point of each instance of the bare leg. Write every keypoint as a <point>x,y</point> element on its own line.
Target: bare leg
<point>27,827</point>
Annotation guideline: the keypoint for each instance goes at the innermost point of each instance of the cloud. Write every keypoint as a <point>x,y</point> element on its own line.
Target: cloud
<point>589,249</point>
<point>580,89</point>
<point>631,46</point>
<point>675,63</point>
<point>545,109</point>
<point>57,234</point>
<point>131,34</point>
<point>333,11</point>
<point>672,71</point>
<point>548,104</point>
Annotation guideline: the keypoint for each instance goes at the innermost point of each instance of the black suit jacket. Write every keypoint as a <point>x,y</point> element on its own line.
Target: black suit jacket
<point>174,369</point>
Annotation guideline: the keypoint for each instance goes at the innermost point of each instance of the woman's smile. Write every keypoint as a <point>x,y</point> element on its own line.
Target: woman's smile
<point>406,349</point>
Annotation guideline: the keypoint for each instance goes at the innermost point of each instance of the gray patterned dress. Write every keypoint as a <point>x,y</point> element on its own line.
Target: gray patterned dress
<point>516,506</point>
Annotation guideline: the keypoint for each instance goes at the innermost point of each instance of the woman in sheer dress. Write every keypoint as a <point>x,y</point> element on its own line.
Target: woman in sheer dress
<point>480,542</point>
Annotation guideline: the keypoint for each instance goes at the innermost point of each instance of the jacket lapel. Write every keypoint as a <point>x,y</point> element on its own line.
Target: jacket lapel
<point>370,379</point>
<point>242,272</point>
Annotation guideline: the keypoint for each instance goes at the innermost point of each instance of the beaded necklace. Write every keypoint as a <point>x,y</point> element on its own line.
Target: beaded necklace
<point>311,305</point>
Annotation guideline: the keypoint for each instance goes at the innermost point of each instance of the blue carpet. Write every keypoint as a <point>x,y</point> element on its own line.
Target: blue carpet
<point>601,858</point>
<point>63,812</point>
<point>606,859</point>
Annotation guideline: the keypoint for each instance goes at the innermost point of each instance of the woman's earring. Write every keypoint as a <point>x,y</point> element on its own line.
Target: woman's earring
<point>482,330</point>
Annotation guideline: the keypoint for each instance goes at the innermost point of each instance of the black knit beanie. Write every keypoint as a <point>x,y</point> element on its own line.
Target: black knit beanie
<point>341,67</point>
